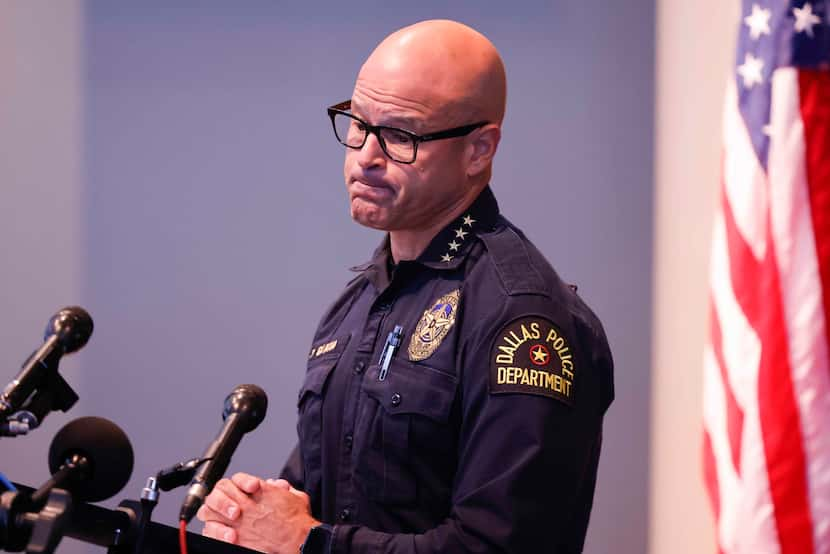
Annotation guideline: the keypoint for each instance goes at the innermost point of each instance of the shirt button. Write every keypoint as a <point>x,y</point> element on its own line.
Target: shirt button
<point>359,367</point>
<point>396,399</point>
<point>345,514</point>
<point>348,439</point>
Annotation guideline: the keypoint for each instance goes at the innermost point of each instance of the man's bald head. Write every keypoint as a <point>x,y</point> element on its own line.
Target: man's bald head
<point>445,66</point>
<point>427,78</point>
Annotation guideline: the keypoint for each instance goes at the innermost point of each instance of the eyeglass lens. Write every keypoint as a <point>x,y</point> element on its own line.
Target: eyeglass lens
<point>351,132</point>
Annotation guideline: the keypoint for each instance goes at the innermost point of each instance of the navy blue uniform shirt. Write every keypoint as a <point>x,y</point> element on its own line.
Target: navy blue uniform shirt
<point>484,434</point>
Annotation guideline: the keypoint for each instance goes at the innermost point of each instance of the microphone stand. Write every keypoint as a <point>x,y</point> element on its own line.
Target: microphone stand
<point>38,530</point>
<point>148,502</point>
<point>55,394</point>
<point>165,480</point>
<point>116,530</point>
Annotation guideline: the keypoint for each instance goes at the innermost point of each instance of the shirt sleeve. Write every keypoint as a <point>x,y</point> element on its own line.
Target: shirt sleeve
<point>293,469</point>
<point>528,452</point>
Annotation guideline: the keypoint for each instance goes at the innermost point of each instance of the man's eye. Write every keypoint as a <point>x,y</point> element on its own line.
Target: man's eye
<point>397,137</point>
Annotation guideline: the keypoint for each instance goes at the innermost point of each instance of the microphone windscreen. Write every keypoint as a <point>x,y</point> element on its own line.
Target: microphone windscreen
<point>73,327</point>
<point>249,401</point>
<point>107,449</point>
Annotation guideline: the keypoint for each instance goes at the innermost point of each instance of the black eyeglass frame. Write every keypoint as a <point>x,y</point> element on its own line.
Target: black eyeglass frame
<point>341,108</point>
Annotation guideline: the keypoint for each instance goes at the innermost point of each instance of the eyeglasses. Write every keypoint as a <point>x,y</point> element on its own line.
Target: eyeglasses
<point>399,144</point>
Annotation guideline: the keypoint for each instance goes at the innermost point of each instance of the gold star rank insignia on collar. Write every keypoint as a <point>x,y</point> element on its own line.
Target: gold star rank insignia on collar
<point>454,246</point>
<point>460,233</point>
<point>468,221</point>
<point>446,258</point>
<point>434,326</point>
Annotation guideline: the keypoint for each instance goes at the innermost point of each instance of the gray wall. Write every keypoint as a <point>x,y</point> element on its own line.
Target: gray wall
<point>215,229</point>
<point>41,258</point>
<point>40,197</point>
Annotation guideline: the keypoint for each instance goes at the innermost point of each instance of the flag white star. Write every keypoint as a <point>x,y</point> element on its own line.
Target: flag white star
<point>454,246</point>
<point>751,70</point>
<point>469,221</point>
<point>758,21</point>
<point>460,233</point>
<point>805,19</point>
<point>446,258</point>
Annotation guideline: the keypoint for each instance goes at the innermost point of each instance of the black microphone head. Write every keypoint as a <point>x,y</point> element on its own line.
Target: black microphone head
<point>250,402</point>
<point>73,327</point>
<point>107,450</point>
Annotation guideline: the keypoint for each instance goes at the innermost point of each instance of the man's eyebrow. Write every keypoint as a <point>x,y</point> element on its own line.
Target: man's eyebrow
<point>404,122</point>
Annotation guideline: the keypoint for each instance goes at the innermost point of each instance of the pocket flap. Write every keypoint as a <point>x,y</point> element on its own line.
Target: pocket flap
<point>322,359</point>
<point>412,389</point>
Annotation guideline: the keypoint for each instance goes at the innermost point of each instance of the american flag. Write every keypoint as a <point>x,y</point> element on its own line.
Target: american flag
<point>766,364</point>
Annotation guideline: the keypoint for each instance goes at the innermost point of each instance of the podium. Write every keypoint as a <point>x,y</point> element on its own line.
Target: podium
<point>121,531</point>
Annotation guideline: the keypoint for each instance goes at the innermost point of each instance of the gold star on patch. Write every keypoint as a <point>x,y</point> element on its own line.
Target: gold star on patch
<point>460,233</point>
<point>446,258</point>
<point>539,355</point>
<point>469,220</point>
<point>454,246</point>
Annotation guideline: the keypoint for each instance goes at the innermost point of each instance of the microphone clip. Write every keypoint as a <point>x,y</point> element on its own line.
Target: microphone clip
<point>19,423</point>
<point>55,394</point>
<point>179,475</point>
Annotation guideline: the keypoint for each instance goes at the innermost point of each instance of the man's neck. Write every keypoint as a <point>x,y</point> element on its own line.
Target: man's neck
<point>411,243</point>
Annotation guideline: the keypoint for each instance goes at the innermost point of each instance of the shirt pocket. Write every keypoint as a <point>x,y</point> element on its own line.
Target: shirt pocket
<point>310,413</point>
<point>402,435</point>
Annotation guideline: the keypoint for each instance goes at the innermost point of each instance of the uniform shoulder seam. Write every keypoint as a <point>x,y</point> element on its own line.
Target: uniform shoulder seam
<point>514,266</point>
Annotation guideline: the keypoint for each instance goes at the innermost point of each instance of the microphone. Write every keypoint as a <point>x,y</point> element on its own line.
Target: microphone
<point>245,409</point>
<point>91,457</point>
<point>67,331</point>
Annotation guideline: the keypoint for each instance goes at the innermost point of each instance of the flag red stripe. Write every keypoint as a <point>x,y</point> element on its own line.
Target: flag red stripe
<point>814,92</point>
<point>758,291</point>
<point>734,414</point>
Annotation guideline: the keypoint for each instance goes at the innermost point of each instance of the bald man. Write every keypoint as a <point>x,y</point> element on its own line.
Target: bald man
<point>454,393</point>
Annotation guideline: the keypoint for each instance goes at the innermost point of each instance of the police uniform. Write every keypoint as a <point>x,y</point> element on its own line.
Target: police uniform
<point>482,432</point>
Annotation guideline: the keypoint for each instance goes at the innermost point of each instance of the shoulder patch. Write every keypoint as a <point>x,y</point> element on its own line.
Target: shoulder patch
<point>531,356</point>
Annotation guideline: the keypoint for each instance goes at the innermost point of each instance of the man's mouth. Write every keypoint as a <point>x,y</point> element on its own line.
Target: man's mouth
<point>371,189</point>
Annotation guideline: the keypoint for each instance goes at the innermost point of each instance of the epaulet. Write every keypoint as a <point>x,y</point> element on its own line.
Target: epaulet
<point>518,273</point>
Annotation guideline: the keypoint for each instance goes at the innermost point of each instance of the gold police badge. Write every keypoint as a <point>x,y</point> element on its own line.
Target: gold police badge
<point>434,326</point>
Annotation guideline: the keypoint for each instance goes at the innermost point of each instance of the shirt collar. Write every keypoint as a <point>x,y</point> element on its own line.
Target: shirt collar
<point>447,250</point>
<point>451,245</point>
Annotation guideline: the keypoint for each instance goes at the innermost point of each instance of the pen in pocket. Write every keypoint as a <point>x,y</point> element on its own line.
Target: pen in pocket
<point>392,343</point>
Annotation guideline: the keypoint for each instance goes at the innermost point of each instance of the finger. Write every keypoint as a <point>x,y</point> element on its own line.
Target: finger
<point>224,508</point>
<point>246,482</point>
<point>233,492</point>
<point>280,484</point>
<point>286,486</point>
<point>220,532</point>
<point>206,514</point>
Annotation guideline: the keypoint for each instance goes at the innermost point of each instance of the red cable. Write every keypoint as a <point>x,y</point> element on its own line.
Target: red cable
<point>183,537</point>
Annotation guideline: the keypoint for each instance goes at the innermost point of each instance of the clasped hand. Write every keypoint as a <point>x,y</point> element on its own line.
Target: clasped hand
<point>266,515</point>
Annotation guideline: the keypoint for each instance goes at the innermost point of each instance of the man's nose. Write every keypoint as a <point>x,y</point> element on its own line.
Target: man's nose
<point>371,154</point>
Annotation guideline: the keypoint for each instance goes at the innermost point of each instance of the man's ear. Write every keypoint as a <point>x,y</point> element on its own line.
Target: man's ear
<point>482,148</point>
